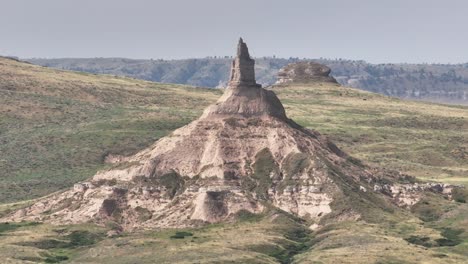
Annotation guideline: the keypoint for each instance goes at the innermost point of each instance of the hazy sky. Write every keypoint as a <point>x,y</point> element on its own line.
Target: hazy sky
<point>373,30</point>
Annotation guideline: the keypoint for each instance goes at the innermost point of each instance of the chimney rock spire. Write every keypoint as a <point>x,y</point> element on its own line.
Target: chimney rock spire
<point>242,68</point>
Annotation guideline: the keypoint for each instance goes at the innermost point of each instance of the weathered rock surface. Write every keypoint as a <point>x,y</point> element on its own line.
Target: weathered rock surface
<point>242,154</point>
<point>406,195</point>
<point>305,72</point>
<point>242,68</point>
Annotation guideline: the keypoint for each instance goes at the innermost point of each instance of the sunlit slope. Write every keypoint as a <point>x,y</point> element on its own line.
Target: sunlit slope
<point>56,127</point>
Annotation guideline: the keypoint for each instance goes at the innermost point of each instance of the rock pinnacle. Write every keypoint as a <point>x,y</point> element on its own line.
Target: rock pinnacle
<point>242,68</point>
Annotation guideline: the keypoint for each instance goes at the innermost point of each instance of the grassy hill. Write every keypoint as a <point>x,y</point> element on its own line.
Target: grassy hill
<point>56,128</point>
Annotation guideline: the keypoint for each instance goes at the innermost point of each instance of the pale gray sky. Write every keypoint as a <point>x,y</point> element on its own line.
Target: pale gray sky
<point>373,30</point>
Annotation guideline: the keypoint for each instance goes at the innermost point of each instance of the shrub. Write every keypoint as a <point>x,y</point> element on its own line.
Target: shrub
<point>181,235</point>
<point>173,183</point>
<point>427,210</point>
<point>451,237</point>
<point>263,167</point>
<point>460,195</point>
<point>419,240</point>
<point>244,215</point>
<point>55,258</point>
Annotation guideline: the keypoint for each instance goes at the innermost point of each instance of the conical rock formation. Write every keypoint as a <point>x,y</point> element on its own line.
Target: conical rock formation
<point>242,154</point>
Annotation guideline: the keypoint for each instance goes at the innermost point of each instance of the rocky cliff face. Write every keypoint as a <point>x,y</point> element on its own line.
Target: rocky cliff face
<point>242,154</point>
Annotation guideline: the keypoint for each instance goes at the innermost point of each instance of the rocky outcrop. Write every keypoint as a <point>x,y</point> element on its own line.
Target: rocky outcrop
<point>406,195</point>
<point>305,72</point>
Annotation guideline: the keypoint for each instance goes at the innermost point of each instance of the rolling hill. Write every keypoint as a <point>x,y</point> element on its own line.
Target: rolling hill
<point>60,127</point>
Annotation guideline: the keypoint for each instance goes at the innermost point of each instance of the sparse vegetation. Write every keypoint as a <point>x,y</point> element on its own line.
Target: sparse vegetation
<point>265,168</point>
<point>460,195</point>
<point>57,127</point>
<point>422,241</point>
<point>50,258</point>
<point>430,208</point>
<point>143,213</point>
<point>244,215</point>
<point>5,227</point>
<point>173,182</point>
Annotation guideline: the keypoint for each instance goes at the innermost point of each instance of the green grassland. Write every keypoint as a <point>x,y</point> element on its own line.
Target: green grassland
<point>273,237</point>
<point>56,127</point>
<point>426,140</point>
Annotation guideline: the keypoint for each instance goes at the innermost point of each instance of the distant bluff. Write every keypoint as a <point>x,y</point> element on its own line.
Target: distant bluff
<point>305,72</point>
<point>428,82</point>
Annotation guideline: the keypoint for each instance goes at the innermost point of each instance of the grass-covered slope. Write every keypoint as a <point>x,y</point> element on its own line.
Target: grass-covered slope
<point>274,237</point>
<point>426,140</point>
<point>56,127</point>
